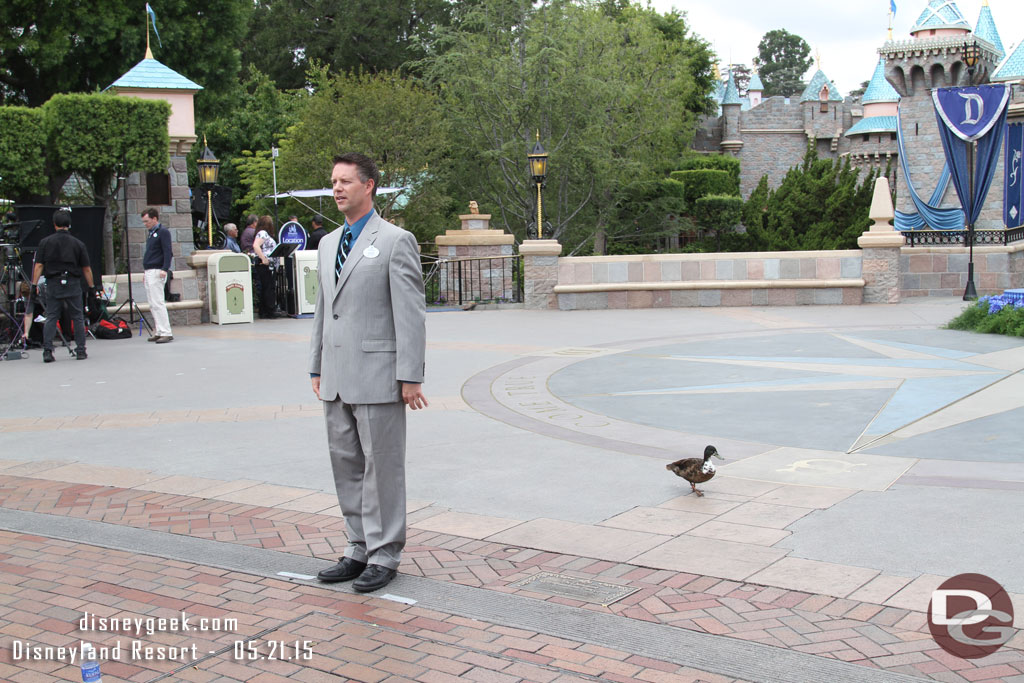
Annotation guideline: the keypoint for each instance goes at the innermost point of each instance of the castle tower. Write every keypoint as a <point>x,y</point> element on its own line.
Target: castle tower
<point>167,192</point>
<point>732,143</point>
<point>755,90</point>
<point>873,137</point>
<point>933,58</point>
<point>823,113</point>
<point>986,29</point>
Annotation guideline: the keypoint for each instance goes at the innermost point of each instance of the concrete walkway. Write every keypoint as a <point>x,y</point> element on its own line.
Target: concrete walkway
<point>869,455</point>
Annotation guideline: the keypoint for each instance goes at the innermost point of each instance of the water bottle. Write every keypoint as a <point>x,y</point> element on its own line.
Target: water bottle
<point>90,665</point>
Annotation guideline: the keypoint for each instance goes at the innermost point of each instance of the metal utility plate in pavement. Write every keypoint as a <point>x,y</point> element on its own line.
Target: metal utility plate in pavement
<point>573,588</point>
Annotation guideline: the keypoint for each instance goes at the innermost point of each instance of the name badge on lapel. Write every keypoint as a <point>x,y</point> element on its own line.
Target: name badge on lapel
<point>371,252</point>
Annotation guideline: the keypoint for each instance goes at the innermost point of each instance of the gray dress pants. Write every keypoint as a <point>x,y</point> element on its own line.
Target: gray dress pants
<point>367,448</point>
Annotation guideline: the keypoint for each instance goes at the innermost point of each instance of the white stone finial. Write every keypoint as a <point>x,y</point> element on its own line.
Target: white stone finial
<point>881,206</point>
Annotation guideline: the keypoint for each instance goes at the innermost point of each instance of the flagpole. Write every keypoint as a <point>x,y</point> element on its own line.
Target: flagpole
<point>149,53</point>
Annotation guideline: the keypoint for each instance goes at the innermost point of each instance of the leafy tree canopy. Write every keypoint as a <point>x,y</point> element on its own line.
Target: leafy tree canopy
<point>782,60</point>
<point>394,121</point>
<point>60,47</point>
<point>288,36</point>
<point>610,89</point>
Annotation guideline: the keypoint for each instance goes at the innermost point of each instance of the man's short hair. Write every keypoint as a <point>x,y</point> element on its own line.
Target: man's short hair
<point>62,218</point>
<point>228,227</point>
<point>318,220</point>
<point>367,170</point>
<point>151,212</point>
<point>251,219</point>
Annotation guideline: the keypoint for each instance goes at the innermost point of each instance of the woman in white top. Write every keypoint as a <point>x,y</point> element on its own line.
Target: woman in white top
<point>265,266</point>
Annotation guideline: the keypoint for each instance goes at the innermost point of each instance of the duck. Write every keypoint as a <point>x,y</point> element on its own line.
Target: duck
<point>696,470</point>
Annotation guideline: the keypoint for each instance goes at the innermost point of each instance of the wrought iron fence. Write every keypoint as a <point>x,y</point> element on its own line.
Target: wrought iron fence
<point>485,279</point>
<point>959,237</point>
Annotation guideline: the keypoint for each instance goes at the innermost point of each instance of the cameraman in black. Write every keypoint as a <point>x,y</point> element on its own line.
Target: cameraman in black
<point>62,258</point>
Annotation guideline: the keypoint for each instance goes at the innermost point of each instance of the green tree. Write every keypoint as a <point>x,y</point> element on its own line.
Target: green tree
<point>741,73</point>
<point>821,204</point>
<point>754,208</point>
<point>782,60</point>
<point>93,135</point>
<point>393,120</point>
<point>610,89</point>
<point>288,36</point>
<point>258,119</point>
<point>22,161</point>
<point>58,47</point>
<point>718,212</point>
<point>651,216</point>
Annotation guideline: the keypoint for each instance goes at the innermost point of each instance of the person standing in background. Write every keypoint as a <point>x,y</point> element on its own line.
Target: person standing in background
<point>248,234</point>
<point>156,264</point>
<point>317,234</point>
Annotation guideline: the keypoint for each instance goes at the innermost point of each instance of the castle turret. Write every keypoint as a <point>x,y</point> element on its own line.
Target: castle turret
<point>873,137</point>
<point>986,29</point>
<point>755,90</point>
<point>731,105</point>
<point>823,110</point>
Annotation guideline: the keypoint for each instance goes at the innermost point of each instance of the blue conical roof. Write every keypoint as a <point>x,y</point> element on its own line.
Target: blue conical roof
<point>1012,66</point>
<point>755,83</point>
<point>732,93</point>
<point>151,74</point>
<point>986,29</point>
<point>941,14</point>
<point>879,89</point>
<point>813,88</point>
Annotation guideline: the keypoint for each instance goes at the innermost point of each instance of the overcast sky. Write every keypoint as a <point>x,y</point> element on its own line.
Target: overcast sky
<point>847,33</point>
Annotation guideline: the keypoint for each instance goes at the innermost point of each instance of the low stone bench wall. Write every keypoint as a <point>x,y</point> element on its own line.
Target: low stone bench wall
<point>191,310</point>
<point>726,279</point>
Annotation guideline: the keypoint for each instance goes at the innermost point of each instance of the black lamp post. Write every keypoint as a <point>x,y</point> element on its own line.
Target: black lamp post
<point>538,159</point>
<point>971,55</point>
<point>209,168</point>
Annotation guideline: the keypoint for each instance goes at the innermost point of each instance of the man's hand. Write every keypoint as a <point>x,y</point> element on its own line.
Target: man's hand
<point>316,386</point>
<point>412,396</point>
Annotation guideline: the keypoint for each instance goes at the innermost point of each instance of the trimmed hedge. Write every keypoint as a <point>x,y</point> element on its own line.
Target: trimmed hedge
<point>700,183</point>
<point>712,162</point>
<point>22,161</point>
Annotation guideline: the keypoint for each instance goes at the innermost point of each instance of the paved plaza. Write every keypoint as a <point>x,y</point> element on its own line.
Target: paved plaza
<point>869,455</point>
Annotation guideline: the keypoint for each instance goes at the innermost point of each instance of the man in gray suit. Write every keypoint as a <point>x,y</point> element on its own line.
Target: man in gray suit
<point>366,363</point>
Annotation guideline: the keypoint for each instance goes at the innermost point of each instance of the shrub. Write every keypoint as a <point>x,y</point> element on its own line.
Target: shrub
<point>700,183</point>
<point>992,315</point>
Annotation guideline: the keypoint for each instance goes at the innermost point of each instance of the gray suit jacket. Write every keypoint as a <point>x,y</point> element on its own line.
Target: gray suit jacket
<point>369,329</point>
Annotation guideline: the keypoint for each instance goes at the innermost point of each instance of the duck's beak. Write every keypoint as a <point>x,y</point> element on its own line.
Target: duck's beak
<point>717,455</point>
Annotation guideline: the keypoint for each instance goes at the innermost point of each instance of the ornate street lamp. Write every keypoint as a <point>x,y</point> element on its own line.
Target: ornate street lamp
<point>209,168</point>
<point>538,159</point>
<point>971,54</point>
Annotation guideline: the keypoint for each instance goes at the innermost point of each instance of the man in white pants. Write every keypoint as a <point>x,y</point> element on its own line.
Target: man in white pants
<point>157,265</point>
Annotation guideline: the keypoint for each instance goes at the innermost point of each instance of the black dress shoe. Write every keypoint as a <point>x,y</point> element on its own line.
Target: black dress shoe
<point>48,356</point>
<point>346,570</point>
<point>375,577</point>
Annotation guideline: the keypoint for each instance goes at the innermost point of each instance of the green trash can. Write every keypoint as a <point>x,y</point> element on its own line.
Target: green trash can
<point>230,288</point>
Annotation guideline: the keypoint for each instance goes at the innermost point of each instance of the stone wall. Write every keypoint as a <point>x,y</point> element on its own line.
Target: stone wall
<point>773,142</point>
<point>942,271</point>
<point>176,217</point>
<point>737,279</point>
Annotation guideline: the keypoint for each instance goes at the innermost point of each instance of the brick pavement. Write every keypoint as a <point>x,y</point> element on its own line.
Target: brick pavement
<point>283,632</point>
<point>861,632</point>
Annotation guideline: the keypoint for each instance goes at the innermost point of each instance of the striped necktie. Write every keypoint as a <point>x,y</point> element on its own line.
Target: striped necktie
<point>343,249</point>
